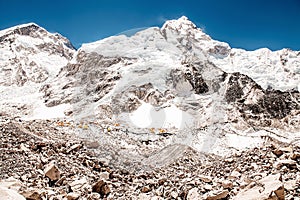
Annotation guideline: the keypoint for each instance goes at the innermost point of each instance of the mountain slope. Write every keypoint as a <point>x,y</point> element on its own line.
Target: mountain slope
<point>177,78</point>
<point>161,80</point>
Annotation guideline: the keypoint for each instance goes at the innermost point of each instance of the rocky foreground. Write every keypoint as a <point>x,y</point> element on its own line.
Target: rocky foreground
<point>40,161</point>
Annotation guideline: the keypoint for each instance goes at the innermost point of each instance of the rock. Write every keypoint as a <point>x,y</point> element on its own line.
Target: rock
<point>101,187</point>
<point>11,183</point>
<point>32,194</point>
<point>146,189</point>
<point>193,194</point>
<point>217,195</point>
<point>159,191</point>
<point>289,163</point>
<point>290,185</point>
<point>105,190</point>
<point>206,179</point>
<point>144,196</point>
<point>49,193</point>
<point>234,175</point>
<point>97,186</point>
<point>24,148</point>
<point>226,184</point>
<point>254,166</point>
<point>73,196</point>
<point>104,161</point>
<point>268,188</point>
<point>94,196</point>
<point>295,156</point>
<point>74,147</point>
<point>104,175</point>
<point>162,181</point>
<point>77,184</point>
<point>208,187</point>
<point>286,149</point>
<point>229,160</point>
<point>174,194</point>
<point>52,172</point>
<point>278,152</point>
<point>10,194</point>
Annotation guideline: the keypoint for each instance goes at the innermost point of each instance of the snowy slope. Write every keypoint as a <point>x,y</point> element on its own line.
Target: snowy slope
<point>278,70</point>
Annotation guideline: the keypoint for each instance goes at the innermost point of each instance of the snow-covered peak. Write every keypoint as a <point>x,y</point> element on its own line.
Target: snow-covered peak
<point>181,37</point>
<point>183,24</point>
<point>29,53</point>
<point>11,29</point>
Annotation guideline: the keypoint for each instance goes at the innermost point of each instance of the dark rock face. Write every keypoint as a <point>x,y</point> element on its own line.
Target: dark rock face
<point>190,76</point>
<point>219,50</point>
<point>234,91</point>
<point>95,73</point>
<point>196,80</point>
<point>270,105</point>
<point>91,76</point>
<point>30,30</point>
<point>276,104</point>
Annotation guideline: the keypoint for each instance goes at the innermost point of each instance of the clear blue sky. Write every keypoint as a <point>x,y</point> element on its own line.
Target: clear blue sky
<point>248,24</point>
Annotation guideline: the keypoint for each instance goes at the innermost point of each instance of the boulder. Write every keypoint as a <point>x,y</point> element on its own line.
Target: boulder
<point>32,194</point>
<point>278,152</point>
<point>295,156</point>
<point>206,179</point>
<point>234,175</point>
<point>104,175</point>
<point>101,187</point>
<point>208,187</point>
<point>11,183</point>
<point>73,196</point>
<point>146,189</point>
<point>290,185</point>
<point>174,194</point>
<point>268,188</point>
<point>52,172</point>
<point>217,195</point>
<point>227,184</point>
<point>74,147</point>
<point>289,163</point>
<point>77,184</point>
<point>10,194</point>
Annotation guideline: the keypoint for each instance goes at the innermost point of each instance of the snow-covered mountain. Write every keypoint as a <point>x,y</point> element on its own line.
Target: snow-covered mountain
<point>175,79</point>
<point>30,53</point>
<point>30,57</point>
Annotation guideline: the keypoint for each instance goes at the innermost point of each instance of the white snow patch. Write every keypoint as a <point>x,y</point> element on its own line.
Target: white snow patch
<point>242,142</point>
<point>147,116</point>
<point>44,112</point>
